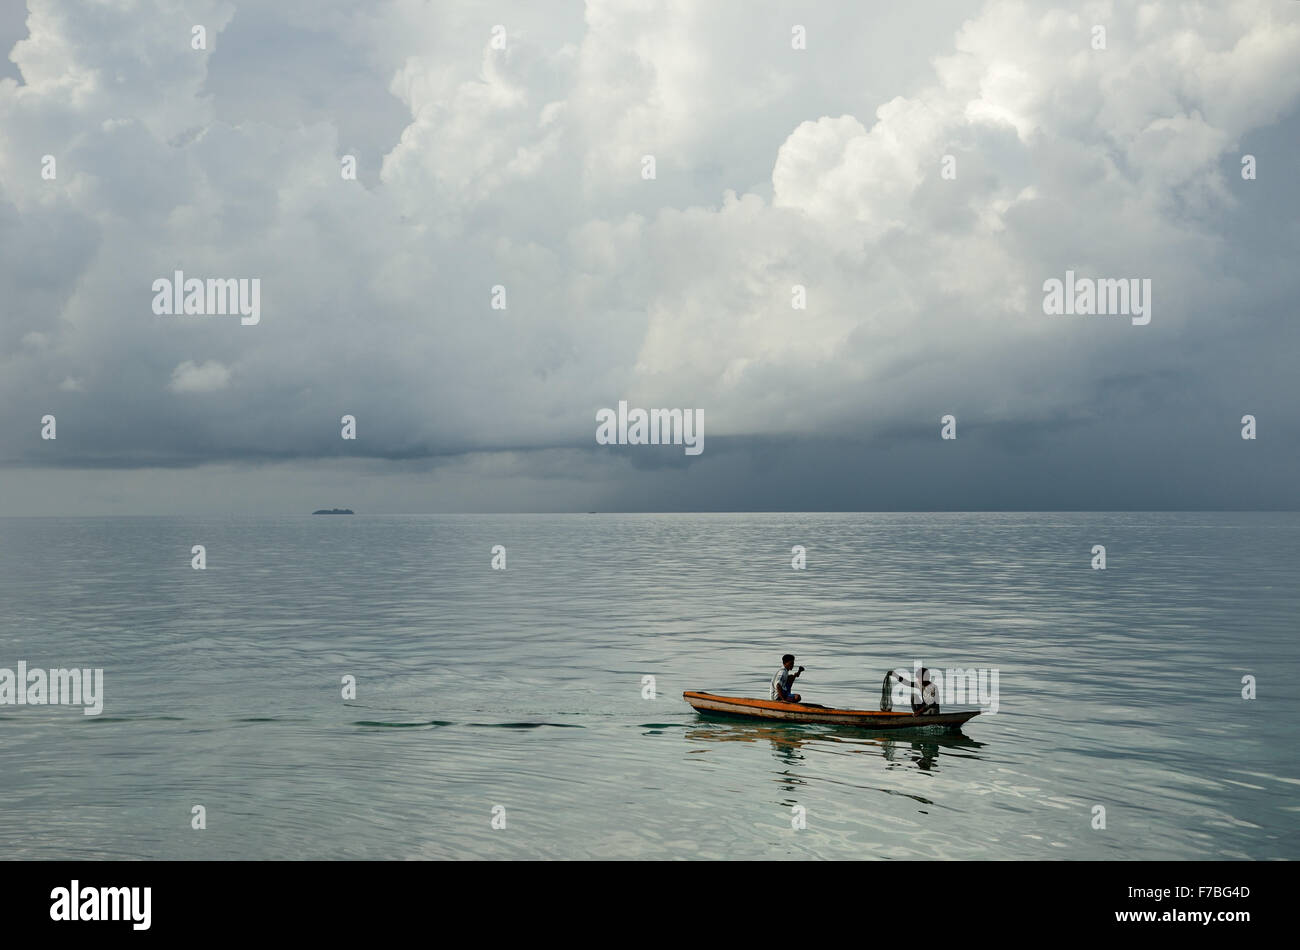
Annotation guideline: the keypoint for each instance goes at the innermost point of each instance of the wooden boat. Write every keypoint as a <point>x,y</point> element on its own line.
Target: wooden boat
<point>745,708</point>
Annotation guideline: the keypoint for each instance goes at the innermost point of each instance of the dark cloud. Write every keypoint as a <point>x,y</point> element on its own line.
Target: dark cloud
<point>522,168</point>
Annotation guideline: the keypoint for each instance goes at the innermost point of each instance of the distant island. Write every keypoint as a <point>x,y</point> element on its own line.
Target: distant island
<point>334,511</point>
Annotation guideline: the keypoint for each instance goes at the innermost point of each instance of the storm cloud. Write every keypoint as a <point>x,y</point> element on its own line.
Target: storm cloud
<point>919,172</point>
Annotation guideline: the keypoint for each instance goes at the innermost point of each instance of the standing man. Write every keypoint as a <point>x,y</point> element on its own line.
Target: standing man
<point>783,681</point>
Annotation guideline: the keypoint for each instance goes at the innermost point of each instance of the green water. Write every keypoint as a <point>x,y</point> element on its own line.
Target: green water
<point>521,693</point>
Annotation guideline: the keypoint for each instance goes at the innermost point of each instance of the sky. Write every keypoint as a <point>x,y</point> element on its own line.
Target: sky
<point>919,170</point>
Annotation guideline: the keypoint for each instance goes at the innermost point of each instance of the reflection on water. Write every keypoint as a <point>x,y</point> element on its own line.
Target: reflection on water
<point>791,741</point>
<point>795,746</point>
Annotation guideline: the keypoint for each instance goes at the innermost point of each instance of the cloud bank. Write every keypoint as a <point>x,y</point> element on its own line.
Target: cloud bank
<point>916,175</point>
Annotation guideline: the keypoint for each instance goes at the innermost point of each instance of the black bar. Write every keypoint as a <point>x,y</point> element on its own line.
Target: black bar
<point>950,900</point>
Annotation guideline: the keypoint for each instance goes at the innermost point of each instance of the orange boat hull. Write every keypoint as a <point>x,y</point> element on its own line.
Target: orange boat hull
<point>771,710</point>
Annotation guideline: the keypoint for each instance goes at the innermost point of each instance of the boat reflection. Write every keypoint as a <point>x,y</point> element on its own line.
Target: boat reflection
<point>791,741</point>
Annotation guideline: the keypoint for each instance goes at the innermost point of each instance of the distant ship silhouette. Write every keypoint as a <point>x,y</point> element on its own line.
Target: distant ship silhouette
<point>334,511</point>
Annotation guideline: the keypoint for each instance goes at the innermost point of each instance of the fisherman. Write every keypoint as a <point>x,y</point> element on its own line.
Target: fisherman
<point>925,694</point>
<point>783,681</point>
<point>929,698</point>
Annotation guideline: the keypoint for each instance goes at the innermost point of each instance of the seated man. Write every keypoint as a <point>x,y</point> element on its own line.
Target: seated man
<point>929,696</point>
<point>925,694</point>
<point>783,681</point>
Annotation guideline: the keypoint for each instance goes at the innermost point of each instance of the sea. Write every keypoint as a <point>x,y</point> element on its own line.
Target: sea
<point>510,686</point>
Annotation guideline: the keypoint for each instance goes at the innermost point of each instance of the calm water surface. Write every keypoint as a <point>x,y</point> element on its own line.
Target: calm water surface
<point>523,688</point>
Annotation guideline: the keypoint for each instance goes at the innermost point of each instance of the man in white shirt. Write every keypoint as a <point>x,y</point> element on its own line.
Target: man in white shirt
<point>783,681</point>
<point>925,693</point>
